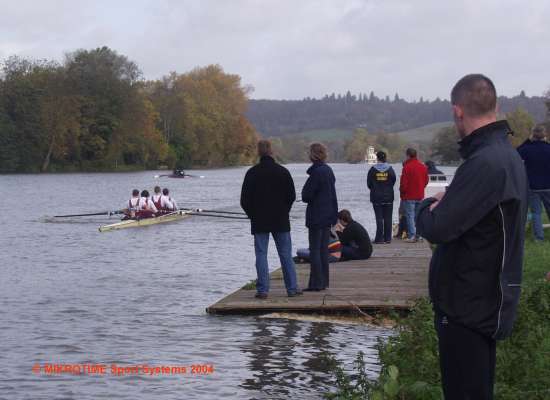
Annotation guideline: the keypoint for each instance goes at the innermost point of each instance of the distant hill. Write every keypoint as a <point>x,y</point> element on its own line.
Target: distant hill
<point>423,134</point>
<point>333,115</point>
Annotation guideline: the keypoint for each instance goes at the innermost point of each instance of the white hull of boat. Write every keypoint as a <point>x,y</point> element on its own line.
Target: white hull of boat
<point>135,223</point>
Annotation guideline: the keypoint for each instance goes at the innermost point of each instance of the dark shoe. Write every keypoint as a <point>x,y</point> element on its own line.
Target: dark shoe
<point>312,290</point>
<point>296,293</point>
<point>378,242</point>
<point>388,242</point>
<point>261,296</point>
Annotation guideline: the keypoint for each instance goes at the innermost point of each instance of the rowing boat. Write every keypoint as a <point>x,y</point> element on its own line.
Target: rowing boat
<point>134,223</point>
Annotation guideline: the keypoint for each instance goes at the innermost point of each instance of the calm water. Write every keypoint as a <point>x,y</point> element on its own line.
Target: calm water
<point>72,295</point>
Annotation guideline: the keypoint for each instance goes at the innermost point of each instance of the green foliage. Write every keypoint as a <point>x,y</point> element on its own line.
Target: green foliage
<point>521,123</point>
<point>94,113</point>
<point>250,285</point>
<point>522,359</point>
<point>445,146</point>
<point>356,148</point>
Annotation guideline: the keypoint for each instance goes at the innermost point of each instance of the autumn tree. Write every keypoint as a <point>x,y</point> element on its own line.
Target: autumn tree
<point>521,123</point>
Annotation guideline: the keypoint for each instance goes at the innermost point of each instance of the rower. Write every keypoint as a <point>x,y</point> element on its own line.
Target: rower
<point>166,202</point>
<point>179,172</point>
<point>132,205</point>
<point>146,208</point>
<point>156,198</point>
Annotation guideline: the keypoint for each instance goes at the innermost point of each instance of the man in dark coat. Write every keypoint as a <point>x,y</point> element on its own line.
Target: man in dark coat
<point>319,192</point>
<point>380,181</point>
<point>535,152</point>
<point>478,225</point>
<point>266,197</point>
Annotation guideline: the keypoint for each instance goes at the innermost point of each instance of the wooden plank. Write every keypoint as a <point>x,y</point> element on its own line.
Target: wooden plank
<point>394,277</point>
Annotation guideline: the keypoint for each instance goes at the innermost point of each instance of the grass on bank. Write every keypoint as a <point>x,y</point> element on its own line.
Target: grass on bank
<point>409,360</point>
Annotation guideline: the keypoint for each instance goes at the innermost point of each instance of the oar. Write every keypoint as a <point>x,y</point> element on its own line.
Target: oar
<point>213,211</point>
<point>90,214</point>
<point>200,214</point>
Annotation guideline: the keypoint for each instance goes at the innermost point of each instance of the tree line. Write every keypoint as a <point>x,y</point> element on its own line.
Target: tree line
<point>286,117</point>
<point>95,112</point>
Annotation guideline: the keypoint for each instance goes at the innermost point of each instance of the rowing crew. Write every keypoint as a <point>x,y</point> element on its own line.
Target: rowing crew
<point>144,206</point>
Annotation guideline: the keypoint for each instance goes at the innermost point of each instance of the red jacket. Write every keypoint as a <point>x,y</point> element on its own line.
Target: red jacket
<point>414,179</point>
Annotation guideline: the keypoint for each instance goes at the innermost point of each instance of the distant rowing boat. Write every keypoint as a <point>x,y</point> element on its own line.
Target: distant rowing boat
<point>134,223</point>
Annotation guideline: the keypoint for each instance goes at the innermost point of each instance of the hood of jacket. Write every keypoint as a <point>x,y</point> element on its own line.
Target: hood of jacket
<point>382,167</point>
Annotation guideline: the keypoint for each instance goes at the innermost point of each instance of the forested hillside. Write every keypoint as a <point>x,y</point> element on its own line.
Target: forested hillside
<point>282,117</point>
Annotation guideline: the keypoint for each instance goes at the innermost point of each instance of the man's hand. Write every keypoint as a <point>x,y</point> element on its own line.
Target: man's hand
<point>438,197</point>
<point>338,227</point>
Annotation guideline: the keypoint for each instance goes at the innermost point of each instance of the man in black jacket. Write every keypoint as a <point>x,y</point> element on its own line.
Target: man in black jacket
<point>478,225</point>
<point>266,197</point>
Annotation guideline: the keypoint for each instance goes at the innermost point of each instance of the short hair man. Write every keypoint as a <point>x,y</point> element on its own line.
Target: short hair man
<point>267,195</point>
<point>414,178</point>
<point>478,225</point>
<point>535,153</point>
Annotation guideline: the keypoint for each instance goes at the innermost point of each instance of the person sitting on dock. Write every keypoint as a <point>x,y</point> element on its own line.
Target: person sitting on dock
<point>166,202</point>
<point>356,244</point>
<point>146,207</point>
<point>267,195</point>
<point>132,205</point>
<point>334,251</point>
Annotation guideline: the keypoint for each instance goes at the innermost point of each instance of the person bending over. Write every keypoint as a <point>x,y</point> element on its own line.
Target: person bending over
<point>356,244</point>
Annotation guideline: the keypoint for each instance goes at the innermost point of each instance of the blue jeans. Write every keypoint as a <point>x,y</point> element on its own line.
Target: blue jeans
<point>536,200</point>
<point>411,209</point>
<point>283,242</point>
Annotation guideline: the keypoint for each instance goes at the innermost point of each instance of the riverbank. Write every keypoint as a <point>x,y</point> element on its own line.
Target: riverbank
<point>409,359</point>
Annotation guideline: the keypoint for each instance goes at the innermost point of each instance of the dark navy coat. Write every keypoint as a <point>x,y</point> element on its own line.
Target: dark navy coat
<point>536,155</point>
<point>319,193</point>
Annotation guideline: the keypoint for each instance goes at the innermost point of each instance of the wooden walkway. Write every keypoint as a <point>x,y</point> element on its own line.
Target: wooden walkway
<point>393,277</point>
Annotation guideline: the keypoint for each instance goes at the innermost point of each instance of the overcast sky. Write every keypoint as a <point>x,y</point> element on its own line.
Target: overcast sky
<point>290,49</point>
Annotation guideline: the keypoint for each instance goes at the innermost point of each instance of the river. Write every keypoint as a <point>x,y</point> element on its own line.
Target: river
<point>70,295</point>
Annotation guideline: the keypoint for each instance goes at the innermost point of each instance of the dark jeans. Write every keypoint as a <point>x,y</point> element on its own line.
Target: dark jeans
<point>383,213</point>
<point>467,361</point>
<point>352,253</point>
<point>538,198</point>
<point>318,247</point>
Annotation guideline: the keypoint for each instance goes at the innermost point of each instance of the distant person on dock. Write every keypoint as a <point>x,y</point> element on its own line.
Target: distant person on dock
<point>267,196</point>
<point>535,153</point>
<point>414,179</point>
<point>319,193</point>
<point>478,225</point>
<point>380,181</point>
<point>432,169</point>
<point>356,244</point>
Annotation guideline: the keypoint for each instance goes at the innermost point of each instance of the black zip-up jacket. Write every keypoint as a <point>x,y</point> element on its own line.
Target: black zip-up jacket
<point>380,180</point>
<point>267,195</point>
<point>479,229</point>
<point>354,234</point>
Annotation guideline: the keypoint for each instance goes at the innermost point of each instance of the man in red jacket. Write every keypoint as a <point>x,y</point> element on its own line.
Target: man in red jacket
<point>414,179</point>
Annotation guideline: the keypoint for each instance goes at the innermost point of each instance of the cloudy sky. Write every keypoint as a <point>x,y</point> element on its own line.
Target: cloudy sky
<point>290,49</point>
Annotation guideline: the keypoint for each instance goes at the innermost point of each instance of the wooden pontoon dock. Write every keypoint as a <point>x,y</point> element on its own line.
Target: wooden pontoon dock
<point>392,278</point>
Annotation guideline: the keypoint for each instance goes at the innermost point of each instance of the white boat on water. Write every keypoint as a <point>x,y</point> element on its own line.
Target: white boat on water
<point>134,223</point>
<point>370,157</point>
<point>438,183</point>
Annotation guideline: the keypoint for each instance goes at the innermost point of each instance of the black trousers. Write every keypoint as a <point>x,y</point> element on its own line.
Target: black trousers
<point>383,214</point>
<point>467,361</point>
<point>318,258</point>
